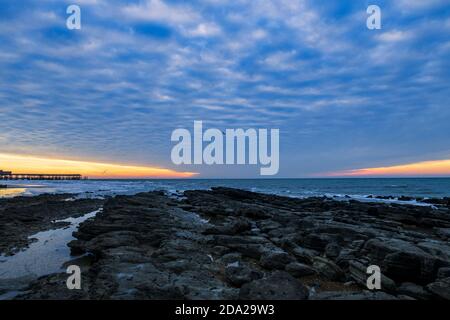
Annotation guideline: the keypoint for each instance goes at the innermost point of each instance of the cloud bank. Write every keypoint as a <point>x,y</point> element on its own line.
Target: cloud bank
<point>342,95</point>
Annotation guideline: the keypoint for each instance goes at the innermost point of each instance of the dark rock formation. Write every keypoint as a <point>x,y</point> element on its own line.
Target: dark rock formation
<point>276,286</point>
<point>230,244</point>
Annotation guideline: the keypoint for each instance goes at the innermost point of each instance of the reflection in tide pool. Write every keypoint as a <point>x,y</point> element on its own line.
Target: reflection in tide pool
<point>44,256</point>
<point>11,192</point>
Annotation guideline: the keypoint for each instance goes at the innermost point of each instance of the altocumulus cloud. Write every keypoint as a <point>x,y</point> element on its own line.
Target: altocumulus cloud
<point>343,96</point>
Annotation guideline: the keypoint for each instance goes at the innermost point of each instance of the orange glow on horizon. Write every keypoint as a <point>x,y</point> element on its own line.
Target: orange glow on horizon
<point>424,168</point>
<point>34,164</point>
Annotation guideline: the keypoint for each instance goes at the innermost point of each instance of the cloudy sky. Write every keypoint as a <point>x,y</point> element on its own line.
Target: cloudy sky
<point>344,97</point>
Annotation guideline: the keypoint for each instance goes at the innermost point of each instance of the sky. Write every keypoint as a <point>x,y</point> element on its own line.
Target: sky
<point>348,101</point>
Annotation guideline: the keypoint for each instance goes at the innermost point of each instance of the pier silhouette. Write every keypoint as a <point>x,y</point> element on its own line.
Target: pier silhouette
<point>8,175</point>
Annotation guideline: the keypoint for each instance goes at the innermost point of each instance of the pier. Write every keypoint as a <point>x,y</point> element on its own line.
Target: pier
<point>8,175</point>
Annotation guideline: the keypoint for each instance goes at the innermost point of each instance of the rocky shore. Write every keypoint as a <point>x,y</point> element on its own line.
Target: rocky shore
<point>233,244</point>
<point>21,217</point>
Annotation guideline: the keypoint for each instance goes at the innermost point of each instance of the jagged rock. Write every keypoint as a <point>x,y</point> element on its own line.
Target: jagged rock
<point>317,241</point>
<point>231,257</point>
<point>366,295</point>
<point>275,260</point>
<point>232,228</point>
<point>408,266</point>
<point>250,250</point>
<point>328,269</point>
<point>440,288</point>
<point>112,239</point>
<point>304,255</point>
<point>443,273</point>
<point>254,213</point>
<point>299,269</point>
<point>221,250</point>
<point>345,256</point>
<point>413,290</point>
<point>358,272</point>
<point>403,261</point>
<point>438,249</point>
<point>14,284</point>
<point>332,250</point>
<point>443,232</point>
<point>405,297</point>
<point>444,201</point>
<point>148,246</point>
<point>279,285</point>
<point>241,274</point>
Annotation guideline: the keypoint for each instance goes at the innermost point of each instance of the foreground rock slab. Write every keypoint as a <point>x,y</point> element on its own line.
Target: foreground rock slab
<point>234,244</point>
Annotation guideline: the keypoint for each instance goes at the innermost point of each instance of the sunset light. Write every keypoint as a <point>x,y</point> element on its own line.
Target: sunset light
<point>42,165</point>
<point>425,168</point>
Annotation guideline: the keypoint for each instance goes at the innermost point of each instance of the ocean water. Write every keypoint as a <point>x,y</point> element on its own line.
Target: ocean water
<point>358,188</point>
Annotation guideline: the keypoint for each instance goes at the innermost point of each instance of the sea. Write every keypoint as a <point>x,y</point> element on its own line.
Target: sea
<point>366,189</point>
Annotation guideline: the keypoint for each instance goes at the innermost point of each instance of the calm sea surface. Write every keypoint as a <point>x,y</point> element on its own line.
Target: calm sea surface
<point>357,188</point>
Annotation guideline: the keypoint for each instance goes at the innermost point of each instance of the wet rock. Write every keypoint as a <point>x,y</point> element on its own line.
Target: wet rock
<point>385,197</point>
<point>366,295</point>
<point>407,266</point>
<point>14,284</point>
<point>332,250</point>
<point>328,269</point>
<point>443,273</point>
<point>443,232</point>
<point>299,270</point>
<point>279,285</point>
<point>112,239</point>
<point>226,243</point>
<point>231,257</point>
<point>445,201</point>
<point>275,260</point>
<point>254,213</point>
<point>439,249</point>
<point>317,241</point>
<point>250,250</point>
<point>413,290</point>
<point>232,228</point>
<point>440,288</point>
<point>358,272</point>
<point>403,261</point>
<point>345,256</point>
<point>304,255</point>
<point>241,274</point>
